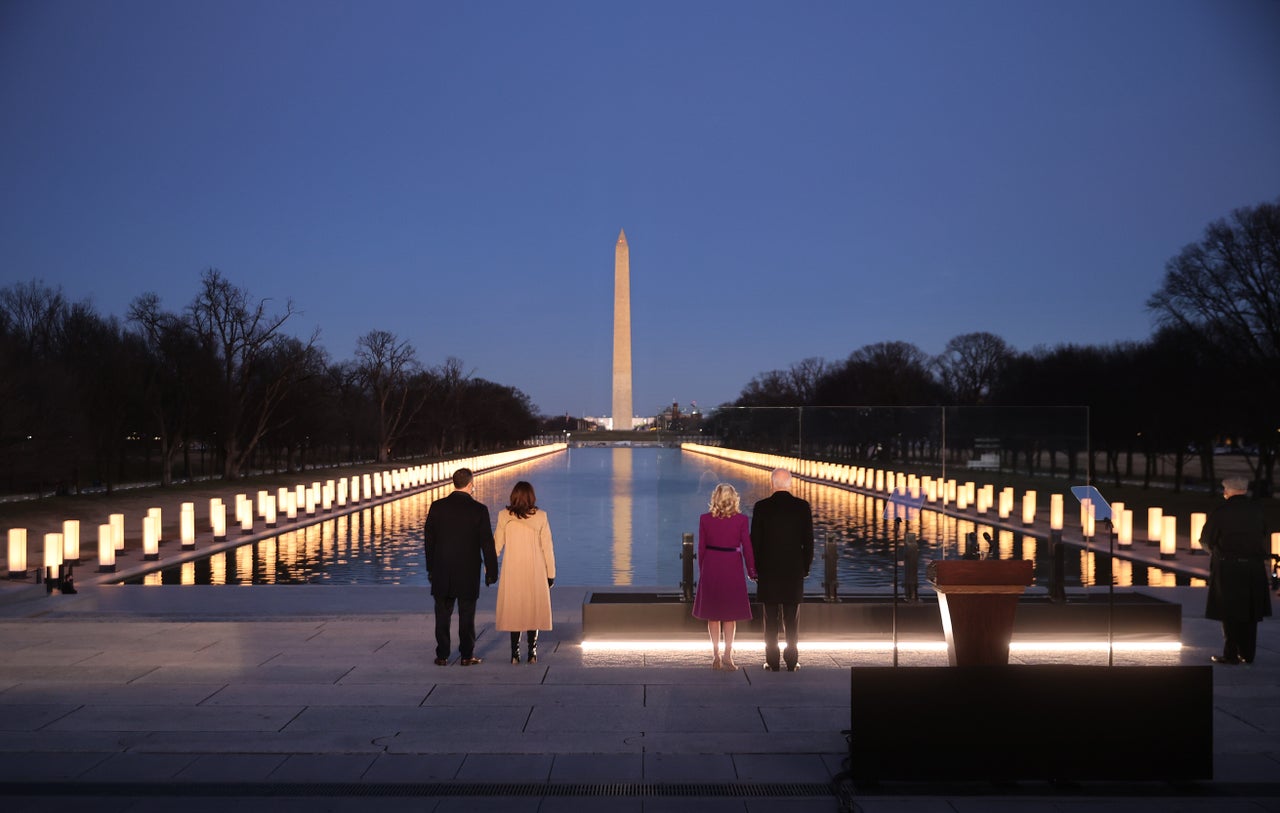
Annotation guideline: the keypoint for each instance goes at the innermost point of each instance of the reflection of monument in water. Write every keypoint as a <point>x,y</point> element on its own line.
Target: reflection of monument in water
<point>623,571</point>
<point>622,413</point>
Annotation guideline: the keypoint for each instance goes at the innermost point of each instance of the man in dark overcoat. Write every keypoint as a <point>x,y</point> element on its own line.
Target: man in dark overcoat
<point>1235,533</point>
<point>782,536</point>
<point>458,539</point>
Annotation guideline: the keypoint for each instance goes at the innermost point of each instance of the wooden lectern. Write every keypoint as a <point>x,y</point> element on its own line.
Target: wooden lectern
<point>978,599</point>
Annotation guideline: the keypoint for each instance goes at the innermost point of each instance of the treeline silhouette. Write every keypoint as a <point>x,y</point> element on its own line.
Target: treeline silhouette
<point>219,389</point>
<point>1208,376</point>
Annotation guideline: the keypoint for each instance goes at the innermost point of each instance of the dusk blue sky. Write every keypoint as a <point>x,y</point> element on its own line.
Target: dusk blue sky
<point>795,179</point>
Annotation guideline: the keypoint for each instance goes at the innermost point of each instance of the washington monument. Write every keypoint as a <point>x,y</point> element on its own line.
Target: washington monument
<point>622,414</point>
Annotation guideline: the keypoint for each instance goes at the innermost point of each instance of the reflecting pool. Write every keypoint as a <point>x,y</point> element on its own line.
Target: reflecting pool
<point>617,516</point>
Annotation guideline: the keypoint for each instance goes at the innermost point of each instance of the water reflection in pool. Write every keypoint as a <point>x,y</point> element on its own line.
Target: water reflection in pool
<point>617,515</point>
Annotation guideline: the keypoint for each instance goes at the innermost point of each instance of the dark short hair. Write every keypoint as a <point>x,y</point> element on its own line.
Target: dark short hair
<point>523,501</point>
<point>462,478</point>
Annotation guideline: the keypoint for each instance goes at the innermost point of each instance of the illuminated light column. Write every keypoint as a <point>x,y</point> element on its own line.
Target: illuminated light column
<point>106,549</point>
<point>1029,508</point>
<point>262,503</point>
<point>300,497</point>
<point>1087,514</point>
<point>1125,536</point>
<point>1275,544</point>
<point>1197,526</point>
<point>150,538</point>
<point>187,524</point>
<point>1006,502</point>
<point>245,515</point>
<point>155,513</point>
<point>326,496</point>
<point>355,489</point>
<point>962,498</point>
<point>291,504</point>
<point>1155,525</point>
<point>71,541</point>
<point>1116,509</point>
<point>367,488</point>
<point>622,407</point>
<point>52,554</point>
<point>17,553</point>
<point>218,518</point>
<point>269,510</point>
<point>1055,512</point>
<point>117,531</point>
<point>1169,537</point>
<point>342,493</point>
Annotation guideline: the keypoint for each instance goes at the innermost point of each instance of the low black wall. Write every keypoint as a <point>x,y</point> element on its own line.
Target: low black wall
<point>1036,722</point>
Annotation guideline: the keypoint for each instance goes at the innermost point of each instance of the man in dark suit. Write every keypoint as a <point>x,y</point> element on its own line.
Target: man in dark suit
<point>1239,583</point>
<point>782,536</point>
<point>458,537</point>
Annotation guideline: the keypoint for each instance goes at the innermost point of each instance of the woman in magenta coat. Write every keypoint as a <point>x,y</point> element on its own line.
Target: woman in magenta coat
<point>724,545</point>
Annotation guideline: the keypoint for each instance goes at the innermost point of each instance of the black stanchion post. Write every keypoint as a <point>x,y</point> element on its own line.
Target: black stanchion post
<point>687,556</point>
<point>911,567</point>
<point>1058,567</point>
<point>830,556</point>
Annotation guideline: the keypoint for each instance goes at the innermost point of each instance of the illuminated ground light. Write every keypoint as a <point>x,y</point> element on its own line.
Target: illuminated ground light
<point>686,645</point>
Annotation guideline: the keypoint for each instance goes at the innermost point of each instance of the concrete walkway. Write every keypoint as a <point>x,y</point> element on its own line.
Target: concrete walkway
<point>325,698</point>
<point>317,697</point>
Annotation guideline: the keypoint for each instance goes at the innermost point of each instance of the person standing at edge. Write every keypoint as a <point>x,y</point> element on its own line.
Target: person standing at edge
<point>721,600</point>
<point>1235,533</point>
<point>782,535</point>
<point>458,538</point>
<point>528,570</point>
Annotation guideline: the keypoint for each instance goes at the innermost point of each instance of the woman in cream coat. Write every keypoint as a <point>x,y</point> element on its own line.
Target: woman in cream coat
<point>528,570</point>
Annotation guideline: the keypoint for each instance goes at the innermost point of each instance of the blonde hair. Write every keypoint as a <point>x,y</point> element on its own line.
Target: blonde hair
<point>725,501</point>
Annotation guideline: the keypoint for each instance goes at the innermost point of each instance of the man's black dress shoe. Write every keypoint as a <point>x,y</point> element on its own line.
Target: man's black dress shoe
<point>1224,660</point>
<point>442,661</point>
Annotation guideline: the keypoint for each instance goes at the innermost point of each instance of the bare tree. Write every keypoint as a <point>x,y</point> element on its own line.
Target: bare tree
<point>970,366</point>
<point>386,364</point>
<point>1226,290</point>
<point>243,337</point>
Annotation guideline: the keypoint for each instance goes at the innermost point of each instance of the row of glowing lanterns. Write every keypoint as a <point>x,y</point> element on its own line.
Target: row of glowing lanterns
<point>289,503</point>
<point>1162,530</point>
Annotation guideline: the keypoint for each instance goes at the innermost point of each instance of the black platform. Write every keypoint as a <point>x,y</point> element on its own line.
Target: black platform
<point>1134,616</point>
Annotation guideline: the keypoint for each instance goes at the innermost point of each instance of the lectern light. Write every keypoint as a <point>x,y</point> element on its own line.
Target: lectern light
<point>106,549</point>
<point>1055,512</point>
<point>1029,508</point>
<point>17,553</point>
<point>71,541</point>
<point>1197,525</point>
<point>150,538</point>
<point>1169,537</point>
<point>1155,525</point>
